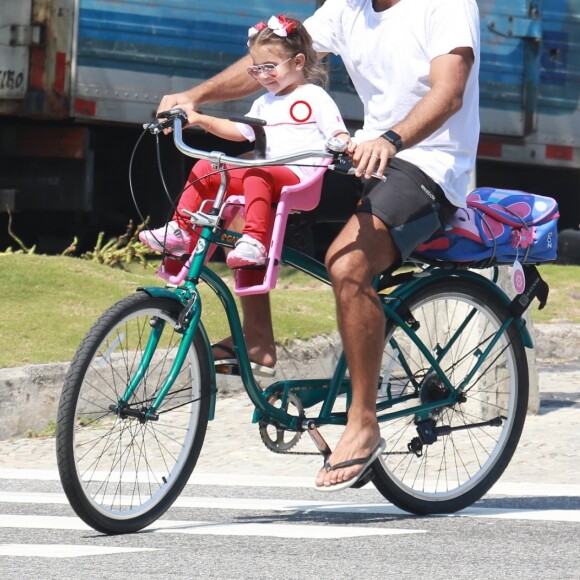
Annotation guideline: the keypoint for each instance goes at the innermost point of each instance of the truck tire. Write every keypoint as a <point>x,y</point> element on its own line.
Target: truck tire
<point>569,247</point>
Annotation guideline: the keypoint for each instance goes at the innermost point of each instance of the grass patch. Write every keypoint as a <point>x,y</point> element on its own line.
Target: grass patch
<point>50,302</point>
<point>49,432</point>
<point>564,298</point>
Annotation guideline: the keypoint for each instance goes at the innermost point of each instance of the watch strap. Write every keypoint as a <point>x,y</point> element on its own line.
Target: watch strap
<point>393,138</point>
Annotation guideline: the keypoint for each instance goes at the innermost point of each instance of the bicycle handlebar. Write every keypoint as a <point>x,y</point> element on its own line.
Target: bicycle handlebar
<point>175,117</point>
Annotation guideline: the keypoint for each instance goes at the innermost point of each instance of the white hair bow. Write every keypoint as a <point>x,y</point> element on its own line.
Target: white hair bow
<point>279,25</point>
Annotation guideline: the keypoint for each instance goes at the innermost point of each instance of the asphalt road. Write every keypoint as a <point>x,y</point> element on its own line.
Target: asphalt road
<point>248,513</point>
<point>256,531</point>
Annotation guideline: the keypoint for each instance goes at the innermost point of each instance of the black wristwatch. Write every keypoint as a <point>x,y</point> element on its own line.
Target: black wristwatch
<point>393,138</point>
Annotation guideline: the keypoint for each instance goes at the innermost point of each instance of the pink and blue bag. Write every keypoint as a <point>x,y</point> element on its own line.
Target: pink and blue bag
<point>499,226</point>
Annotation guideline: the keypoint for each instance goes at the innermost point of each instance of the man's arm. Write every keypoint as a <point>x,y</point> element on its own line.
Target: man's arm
<point>448,78</point>
<point>232,83</point>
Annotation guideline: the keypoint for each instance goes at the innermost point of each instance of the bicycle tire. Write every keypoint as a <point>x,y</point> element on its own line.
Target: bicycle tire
<point>457,469</point>
<point>121,474</point>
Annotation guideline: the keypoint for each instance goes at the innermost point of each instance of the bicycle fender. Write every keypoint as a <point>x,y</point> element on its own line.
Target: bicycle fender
<point>404,291</point>
<point>157,292</point>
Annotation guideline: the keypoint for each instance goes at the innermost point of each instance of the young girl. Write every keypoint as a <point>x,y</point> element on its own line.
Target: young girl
<point>299,115</point>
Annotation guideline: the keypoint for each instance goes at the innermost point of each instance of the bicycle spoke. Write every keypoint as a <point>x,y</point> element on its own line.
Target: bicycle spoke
<point>479,431</point>
<point>126,468</point>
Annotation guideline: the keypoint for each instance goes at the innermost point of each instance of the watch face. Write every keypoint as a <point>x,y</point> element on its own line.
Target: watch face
<point>394,138</point>
<point>336,144</point>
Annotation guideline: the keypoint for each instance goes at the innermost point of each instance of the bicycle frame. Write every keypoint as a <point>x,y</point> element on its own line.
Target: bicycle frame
<point>309,391</point>
<point>313,391</point>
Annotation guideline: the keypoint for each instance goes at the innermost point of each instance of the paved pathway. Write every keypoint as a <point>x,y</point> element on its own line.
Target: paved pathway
<point>548,451</point>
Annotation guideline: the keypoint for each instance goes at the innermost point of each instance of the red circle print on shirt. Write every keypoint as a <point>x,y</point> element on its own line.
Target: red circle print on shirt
<point>300,111</point>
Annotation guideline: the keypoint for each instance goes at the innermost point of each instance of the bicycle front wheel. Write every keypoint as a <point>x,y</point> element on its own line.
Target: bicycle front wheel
<point>476,437</point>
<point>122,471</point>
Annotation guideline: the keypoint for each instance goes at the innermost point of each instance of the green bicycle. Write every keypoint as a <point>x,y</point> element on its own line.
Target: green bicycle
<point>135,405</point>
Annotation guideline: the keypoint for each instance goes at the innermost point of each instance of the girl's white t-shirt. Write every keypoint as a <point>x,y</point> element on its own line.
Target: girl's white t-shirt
<point>301,120</point>
<point>388,56</point>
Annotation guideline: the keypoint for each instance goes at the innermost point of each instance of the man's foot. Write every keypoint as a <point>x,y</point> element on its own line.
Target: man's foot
<point>224,355</point>
<point>357,449</point>
<point>170,238</point>
<point>364,463</point>
<point>247,252</point>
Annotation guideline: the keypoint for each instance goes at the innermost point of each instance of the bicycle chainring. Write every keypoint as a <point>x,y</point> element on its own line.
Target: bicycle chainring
<point>276,439</point>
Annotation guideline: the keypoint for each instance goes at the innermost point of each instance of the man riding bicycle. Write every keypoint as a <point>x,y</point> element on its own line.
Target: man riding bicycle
<point>414,64</point>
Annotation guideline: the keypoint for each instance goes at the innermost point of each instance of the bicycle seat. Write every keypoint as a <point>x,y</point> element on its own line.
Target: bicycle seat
<point>303,196</point>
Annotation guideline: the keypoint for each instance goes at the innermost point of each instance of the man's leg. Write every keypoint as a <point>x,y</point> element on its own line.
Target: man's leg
<point>258,332</point>
<point>257,327</point>
<point>363,249</point>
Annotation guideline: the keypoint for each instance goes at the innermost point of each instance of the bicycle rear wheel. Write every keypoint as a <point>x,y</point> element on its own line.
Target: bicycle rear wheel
<point>477,436</point>
<point>121,473</point>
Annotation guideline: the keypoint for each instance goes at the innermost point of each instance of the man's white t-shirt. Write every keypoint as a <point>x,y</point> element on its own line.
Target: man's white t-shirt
<point>301,120</point>
<point>388,55</point>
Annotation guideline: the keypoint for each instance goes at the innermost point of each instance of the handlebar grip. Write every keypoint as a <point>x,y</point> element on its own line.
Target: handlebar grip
<point>343,164</point>
<point>172,114</point>
<point>248,121</point>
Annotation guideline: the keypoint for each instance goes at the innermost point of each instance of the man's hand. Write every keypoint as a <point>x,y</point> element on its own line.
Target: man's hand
<point>184,101</point>
<point>371,156</point>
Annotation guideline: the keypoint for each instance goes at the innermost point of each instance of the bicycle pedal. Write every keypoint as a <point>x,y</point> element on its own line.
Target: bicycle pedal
<point>229,369</point>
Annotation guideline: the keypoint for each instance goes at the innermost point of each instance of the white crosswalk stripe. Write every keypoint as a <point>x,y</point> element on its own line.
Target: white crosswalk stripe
<point>233,524</point>
<point>282,505</point>
<point>63,550</point>
<point>247,480</point>
<point>212,528</point>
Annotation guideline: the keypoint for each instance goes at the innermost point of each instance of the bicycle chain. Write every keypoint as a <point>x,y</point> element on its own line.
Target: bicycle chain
<point>293,452</point>
<point>314,453</point>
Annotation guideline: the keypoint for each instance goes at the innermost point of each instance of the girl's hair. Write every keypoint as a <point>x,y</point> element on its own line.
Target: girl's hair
<point>297,41</point>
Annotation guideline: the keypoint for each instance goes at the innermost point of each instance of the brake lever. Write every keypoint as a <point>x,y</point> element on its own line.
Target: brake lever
<point>157,126</point>
<point>344,162</point>
<point>344,165</point>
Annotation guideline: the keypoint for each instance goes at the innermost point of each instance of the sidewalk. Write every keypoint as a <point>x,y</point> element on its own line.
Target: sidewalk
<point>548,451</point>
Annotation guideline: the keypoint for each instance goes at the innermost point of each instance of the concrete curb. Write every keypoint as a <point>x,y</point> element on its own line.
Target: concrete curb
<point>29,395</point>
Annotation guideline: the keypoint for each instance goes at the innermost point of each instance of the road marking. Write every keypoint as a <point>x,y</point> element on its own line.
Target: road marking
<point>310,531</point>
<point>204,528</point>
<point>62,550</point>
<point>283,505</point>
<point>519,514</point>
<point>519,489</point>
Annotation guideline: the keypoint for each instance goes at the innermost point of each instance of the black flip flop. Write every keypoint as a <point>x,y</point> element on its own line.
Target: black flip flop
<point>366,462</point>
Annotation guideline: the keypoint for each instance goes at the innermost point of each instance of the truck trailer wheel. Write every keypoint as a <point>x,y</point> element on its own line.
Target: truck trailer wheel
<point>569,247</point>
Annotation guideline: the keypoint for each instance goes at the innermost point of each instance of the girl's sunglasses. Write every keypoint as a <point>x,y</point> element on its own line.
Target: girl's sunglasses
<point>269,70</point>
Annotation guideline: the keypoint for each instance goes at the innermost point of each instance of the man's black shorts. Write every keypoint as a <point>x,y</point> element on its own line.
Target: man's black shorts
<point>409,202</point>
